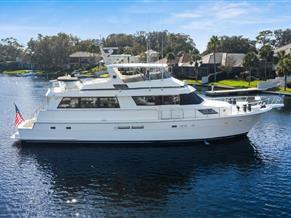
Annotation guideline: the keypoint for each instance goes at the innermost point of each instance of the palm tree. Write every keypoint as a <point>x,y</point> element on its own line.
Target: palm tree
<point>213,46</point>
<point>266,53</point>
<point>196,58</point>
<point>283,66</point>
<point>250,61</point>
<point>171,58</point>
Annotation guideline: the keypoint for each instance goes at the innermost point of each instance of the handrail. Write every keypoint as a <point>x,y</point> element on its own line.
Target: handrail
<point>267,100</point>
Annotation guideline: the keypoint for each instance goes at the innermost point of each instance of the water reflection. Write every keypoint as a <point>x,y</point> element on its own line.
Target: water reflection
<point>134,174</point>
<point>220,179</point>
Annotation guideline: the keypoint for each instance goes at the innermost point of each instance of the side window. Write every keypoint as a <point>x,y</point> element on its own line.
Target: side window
<point>144,100</point>
<point>69,103</point>
<point>89,102</point>
<point>108,102</point>
<point>171,99</point>
<point>156,100</point>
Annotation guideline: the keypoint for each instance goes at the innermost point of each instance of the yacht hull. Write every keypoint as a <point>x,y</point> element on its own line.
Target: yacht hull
<point>140,132</point>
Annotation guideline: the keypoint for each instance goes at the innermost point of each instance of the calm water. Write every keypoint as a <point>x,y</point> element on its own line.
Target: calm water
<point>249,177</point>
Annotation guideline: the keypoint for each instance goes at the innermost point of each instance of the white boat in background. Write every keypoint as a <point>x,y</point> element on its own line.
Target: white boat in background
<point>137,103</point>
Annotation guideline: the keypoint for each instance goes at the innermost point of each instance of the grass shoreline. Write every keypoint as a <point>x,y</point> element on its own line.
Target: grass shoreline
<point>237,84</point>
<point>21,72</point>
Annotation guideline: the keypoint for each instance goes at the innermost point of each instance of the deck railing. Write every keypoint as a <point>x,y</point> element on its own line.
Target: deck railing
<point>253,100</point>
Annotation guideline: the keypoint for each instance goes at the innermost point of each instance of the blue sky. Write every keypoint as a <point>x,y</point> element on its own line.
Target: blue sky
<point>92,19</point>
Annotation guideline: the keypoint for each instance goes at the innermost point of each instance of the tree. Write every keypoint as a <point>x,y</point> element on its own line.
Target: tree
<point>170,58</point>
<point>250,61</point>
<point>196,58</point>
<point>266,52</point>
<point>265,38</point>
<point>213,45</point>
<point>283,66</point>
<point>282,37</point>
<point>265,41</point>
<point>160,41</point>
<point>88,45</point>
<point>52,52</point>
<point>232,44</point>
<point>10,49</point>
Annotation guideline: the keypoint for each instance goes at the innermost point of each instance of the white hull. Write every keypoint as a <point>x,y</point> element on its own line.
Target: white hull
<point>135,108</point>
<point>169,130</point>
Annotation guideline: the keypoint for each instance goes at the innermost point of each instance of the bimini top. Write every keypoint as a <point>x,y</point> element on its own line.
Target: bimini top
<point>138,65</point>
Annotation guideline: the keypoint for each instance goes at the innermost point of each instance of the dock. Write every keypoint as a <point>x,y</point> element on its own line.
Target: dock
<point>232,92</point>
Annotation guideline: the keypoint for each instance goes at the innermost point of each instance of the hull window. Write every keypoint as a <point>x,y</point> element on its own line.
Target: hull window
<point>89,102</point>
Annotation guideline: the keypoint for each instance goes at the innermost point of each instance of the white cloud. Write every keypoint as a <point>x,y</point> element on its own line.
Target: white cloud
<point>187,15</point>
<point>229,18</point>
<point>224,15</point>
<point>220,11</point>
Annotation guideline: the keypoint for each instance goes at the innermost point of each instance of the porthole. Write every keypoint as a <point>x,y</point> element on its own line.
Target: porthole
<point>52,127</point>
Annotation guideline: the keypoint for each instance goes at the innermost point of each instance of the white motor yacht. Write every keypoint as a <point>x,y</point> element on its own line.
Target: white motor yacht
<point>137,103</point>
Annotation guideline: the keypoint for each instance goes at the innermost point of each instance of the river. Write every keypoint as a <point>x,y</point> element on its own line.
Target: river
<point>247,177</point>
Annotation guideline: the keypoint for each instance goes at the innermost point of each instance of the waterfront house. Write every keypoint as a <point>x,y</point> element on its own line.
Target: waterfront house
<point>82,59</point>
<point>286,48</point>
<point>152,55</point>
<point>224,60</point>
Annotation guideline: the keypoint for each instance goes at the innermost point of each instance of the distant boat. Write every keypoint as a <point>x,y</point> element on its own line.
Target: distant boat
<point>28,74</point>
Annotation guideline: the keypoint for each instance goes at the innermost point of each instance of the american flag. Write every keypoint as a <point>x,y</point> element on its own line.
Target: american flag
<point>18,117</point>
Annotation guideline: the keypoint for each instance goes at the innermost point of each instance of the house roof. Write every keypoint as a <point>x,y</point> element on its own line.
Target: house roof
<point>286,48</point>
<point>83,54</point>
<point>151,52</point>
<point>185,60</point>
<point>225,59</point>
<point>162,61</point>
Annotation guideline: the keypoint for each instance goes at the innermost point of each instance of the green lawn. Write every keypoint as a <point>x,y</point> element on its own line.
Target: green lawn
<point>14,72</point>
<point>229,83</point>
<point>237,83</point>
<point>281,89</point>
<point>104,75</point>
<point>192,81</point>
<point>17,72</point>
<point>96,69</point>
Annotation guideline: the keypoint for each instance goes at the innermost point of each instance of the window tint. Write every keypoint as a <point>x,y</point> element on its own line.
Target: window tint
<point>89,102</point>
<point>156,100</point>
<point>190,98</point>
<point>183,99</point>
